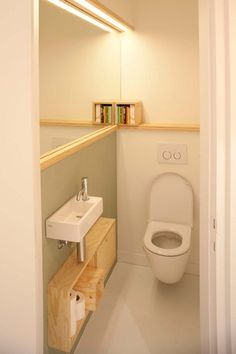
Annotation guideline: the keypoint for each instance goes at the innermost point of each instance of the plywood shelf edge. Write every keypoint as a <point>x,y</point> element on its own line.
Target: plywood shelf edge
<point>66,122</point>
<point>71,270</point>
<point>67,277</point>
<point>181,127</point>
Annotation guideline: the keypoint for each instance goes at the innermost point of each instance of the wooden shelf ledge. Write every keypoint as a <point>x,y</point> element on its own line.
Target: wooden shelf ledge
<point>163,127</point>
<point>65,123</point>
<point>71,270</point>
<point>193,127</point>
<point>91,284</point>
<point>87,277</point>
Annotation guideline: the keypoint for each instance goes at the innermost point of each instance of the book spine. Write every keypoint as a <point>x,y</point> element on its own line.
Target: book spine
<point>124,113</point>
<point>109,114</point>
<point>102,114</point>
<point>128,114</point>
<point>118,115</point>
<point>105,114</point>
<point>132,114</point>
<point>98,113</point>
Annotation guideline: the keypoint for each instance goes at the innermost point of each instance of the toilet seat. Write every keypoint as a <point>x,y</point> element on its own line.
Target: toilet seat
<point>183,231</point>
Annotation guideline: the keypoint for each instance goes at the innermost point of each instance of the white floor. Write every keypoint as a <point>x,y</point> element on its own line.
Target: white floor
<point>139,315</point>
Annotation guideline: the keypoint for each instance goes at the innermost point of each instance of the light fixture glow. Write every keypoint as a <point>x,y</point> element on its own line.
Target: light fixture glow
<point>80,14</point>
<point>102,14</point>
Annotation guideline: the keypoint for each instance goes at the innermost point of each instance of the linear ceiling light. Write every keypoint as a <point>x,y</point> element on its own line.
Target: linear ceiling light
<point>102,15</point>
<point>80,14</point>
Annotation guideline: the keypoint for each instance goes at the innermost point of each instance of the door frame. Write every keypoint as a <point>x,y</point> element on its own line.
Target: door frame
<point>217,28</point>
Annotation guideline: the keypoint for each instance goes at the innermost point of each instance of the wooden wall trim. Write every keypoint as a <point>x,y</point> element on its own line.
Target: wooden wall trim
<point>164,127</point>
<point>185,127</point>
<point>61,153</point>
<point>66,123</point>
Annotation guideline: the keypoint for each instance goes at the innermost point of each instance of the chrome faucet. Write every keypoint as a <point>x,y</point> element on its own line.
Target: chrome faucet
<point>84,190</point>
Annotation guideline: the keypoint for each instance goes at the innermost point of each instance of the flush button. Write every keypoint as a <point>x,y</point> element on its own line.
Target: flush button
<point>172,153</point>
<point>177,155</point>
<point>166,155</point>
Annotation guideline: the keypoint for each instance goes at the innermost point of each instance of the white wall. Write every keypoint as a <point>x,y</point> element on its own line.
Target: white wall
<point>79,64</point>
<point>20,251</point>
<point>160,68</point>
<point>160,60</point>
<point>137,167</point>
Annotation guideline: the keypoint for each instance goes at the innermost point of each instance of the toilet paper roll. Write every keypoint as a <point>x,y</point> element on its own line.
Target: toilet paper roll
<point>80,306</point>
<point>73,319</point>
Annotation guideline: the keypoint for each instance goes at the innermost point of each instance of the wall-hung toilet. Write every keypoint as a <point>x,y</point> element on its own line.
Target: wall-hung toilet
<point>167,239</point>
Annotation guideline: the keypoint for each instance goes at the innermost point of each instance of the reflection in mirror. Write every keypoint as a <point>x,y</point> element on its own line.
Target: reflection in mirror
<point>53,136</point>
<point>79,64</point>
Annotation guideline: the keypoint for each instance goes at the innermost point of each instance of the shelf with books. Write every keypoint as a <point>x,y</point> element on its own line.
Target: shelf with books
<point>103,113</point>
<point>128,113</point>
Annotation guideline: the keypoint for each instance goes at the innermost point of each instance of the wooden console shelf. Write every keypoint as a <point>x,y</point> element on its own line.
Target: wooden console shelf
<point>101,256</point>
<point>91,284</point>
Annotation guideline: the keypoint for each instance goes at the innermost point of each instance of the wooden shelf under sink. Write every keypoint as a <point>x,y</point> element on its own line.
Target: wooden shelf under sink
<point>91,284</point>
<point>101,256</point>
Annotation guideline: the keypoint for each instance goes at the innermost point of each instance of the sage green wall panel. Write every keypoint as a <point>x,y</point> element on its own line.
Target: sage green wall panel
<point>63,180</point>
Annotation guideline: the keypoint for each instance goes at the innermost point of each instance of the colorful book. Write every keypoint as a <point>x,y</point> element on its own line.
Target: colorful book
<point>98,113</point>
<point>118,115</point>
<point>109,114</point>
<point>132,114</point>
<point>102,114</point>
<point>127,114</point>
<point>124,115</point>
<point>105,114</point>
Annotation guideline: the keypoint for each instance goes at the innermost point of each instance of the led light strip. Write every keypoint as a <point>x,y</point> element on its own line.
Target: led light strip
<point>96,11</point>
<point>80,14</point>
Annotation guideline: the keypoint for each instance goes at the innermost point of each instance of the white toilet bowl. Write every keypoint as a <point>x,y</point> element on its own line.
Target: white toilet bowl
<point>167,247</point>
<point>167,239</point>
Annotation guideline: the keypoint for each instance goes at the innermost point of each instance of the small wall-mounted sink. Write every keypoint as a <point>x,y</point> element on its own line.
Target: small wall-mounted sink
<point>74,219</point>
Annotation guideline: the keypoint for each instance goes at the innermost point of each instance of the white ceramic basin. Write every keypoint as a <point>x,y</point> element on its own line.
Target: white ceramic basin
<point>74,219</point>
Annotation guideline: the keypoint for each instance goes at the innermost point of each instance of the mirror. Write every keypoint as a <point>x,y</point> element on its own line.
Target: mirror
<point>79,64</point>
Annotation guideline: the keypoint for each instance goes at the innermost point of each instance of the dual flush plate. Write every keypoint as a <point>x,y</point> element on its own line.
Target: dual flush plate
<point>172,153</point>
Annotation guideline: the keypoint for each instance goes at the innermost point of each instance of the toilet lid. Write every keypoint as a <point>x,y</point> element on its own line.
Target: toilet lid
<point>181,233</point>
<point>171,200</point>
